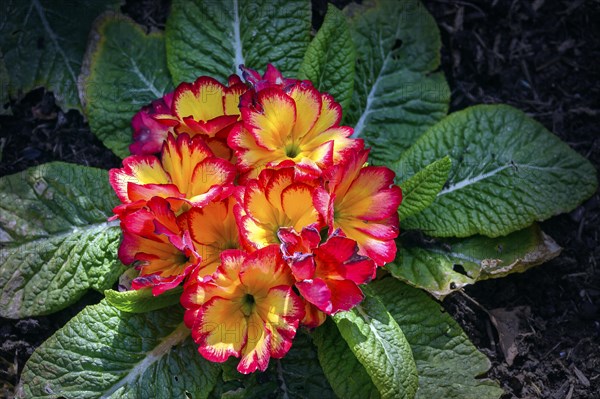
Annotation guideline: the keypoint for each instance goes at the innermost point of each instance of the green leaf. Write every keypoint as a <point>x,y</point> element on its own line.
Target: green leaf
<point>55,240</point>
<point>397,93</point>
<point>380,346</point>
<point>347,376</point>
<point>507,172</point>
<point>142,301</point>
<point>330,57</point>
<point>299,374</point>
<point>446,265</point>
<point>124,70</point>
<point>213,38</point>
<point>237,385</point>
<point>255,387</point>
<point>43,44</point>
<point>448,364</point>
<point>420,190</point>
<point>103,352</point>
<point>256,391</point>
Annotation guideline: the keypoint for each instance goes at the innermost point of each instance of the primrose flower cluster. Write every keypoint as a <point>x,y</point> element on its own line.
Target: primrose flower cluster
<point>254,198</point>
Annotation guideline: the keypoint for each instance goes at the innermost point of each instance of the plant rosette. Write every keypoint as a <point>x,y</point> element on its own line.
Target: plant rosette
<point>252,234</point>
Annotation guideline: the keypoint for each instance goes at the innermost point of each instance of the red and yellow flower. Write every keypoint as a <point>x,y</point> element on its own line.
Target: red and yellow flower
<point>205,107</point>
<point>247,309</point>
<point>363,202</point>
<point>272,201</point>
<point>328,274</point>
<point>159,249</point>
<point>296,127</point>
<point>187,173</point>
<point>213,229</point>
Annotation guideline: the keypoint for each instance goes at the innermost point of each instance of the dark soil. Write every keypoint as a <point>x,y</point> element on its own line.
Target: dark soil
<point>539,56</point>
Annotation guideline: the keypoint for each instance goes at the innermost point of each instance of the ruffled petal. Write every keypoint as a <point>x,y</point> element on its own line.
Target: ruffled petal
<point>213,230</point>
<point>372,196</point>
<point>221,330</point>
<point>208,174</point>
<point>257,351</point>
<point>282,311</point>
<point>381,249</point>
<point>296,202</point>
<point>330,115</point>
<point>313,317</point>
<point>202,100</point>
<point>271,119</point>
<point>180,156</point>
<point>316,292</point>
<point>345,295</point>
<point>142,192</point>
<point>139,169</point>
<point>264,269</point>
<point>308,107</point>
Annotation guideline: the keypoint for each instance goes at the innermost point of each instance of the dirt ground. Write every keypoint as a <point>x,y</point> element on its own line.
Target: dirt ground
<point>539,56</point>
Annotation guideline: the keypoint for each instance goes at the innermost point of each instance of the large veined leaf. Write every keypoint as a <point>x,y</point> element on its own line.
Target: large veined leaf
<point>507,172</point>
<point>448,364</point>
<point>347,376</point>
<point>419,191</point>
<point>124,70</point>
<point>330,57</point>
<point>43,44</point>
<point>397,93</point>
<point>380,346</point>
<point>215,37</point>
<point>299,374</point>
<point>446,265</point>
<point>142,301</point>
<point>55,240</point>
<point>256,388</point>
<point>240,386</point>
<point>105,353</point>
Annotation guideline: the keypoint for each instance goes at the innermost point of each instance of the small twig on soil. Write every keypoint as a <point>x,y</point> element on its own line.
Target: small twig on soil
<point>551,350</point>
<point>537,389</point>
<point>574,275</point>
<point>490,333</point>
<point>580,376</point>
<point>570,393</point>
<point>560,392</point>
<point>572,7</point>
<point>587,155</point>
<point>547,64</point>
<point>488,324</point>
<point>529,80</point>
<point>565,369</point>
<point>475,302</point>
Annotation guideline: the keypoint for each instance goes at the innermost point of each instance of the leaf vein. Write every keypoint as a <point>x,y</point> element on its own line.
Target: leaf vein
<point>53,38</point>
